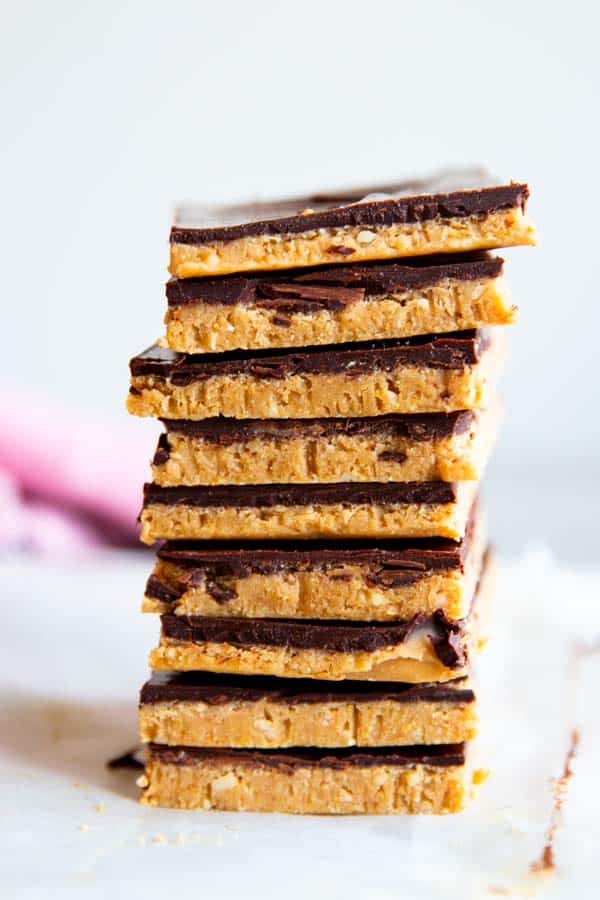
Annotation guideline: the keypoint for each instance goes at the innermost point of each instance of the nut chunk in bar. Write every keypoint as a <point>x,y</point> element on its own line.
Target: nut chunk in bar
<point>460,212</point>
<point>337,304</point>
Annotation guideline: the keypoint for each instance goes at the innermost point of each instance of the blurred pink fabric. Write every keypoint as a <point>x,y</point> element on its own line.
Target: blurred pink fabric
<point>68,483</point>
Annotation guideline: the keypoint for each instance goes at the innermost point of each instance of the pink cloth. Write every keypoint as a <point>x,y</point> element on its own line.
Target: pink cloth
<point>67,482</point>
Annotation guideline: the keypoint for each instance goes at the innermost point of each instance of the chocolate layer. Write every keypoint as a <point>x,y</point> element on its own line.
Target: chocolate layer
<point>239,559</point>
<point>416,427</point>
<point>330,287</point>
<point>405,203</point>
<point>269,495</point>
<point>217,690</point>
<point>446,351</point>
<point>446,637</point>
<point>287,760</point>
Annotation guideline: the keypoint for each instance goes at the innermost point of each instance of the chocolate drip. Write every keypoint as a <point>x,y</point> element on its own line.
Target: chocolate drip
<point>162,453</point>
<point>448,642</point>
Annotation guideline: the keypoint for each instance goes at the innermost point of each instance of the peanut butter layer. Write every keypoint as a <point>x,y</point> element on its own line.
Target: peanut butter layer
<point>406,221</point>
<point>337,304</point>
<point>411,780</point>
<point>432,447</point>
<point>435,373</point>
<point>402,510</point>
<point>386,581</point>
<point>201,710</point>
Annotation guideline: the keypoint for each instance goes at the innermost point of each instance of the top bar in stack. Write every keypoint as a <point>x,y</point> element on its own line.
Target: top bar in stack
<point>415,218</point>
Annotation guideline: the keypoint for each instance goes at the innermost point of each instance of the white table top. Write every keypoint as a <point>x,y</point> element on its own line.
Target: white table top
<point>74,654</point>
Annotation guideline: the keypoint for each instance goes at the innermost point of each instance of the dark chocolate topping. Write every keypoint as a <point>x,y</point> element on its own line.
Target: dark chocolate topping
<point>217,690</point>
<point>330,287</point>
<point>286,760</point>
<point>405,203</point>
<point>269,495</point>
<point>315,634</point>
<point>444,351</point>
<point>220,430</point>
<point>384,564</point>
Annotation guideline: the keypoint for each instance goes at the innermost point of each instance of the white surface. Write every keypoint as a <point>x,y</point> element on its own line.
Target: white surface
<point>73,652</point>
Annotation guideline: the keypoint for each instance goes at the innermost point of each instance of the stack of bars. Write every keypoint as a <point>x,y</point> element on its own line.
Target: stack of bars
<point>327,386</point>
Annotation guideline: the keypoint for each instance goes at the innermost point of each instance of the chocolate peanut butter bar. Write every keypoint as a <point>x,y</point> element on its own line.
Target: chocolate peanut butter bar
<point>382,581</point>
<point>460,213</point>
<point>430,373</point>
<point>425,648</point>
<point>409,509</point>
<point>435,779</point>
<point>337,304</point>
<point>199,709</point>
<point>428,447</point>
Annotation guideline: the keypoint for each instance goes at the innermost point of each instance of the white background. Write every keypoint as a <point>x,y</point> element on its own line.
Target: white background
<point>113,112</point>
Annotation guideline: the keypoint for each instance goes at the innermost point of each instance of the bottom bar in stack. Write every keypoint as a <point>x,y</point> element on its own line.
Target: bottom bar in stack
<point>433,779</point>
